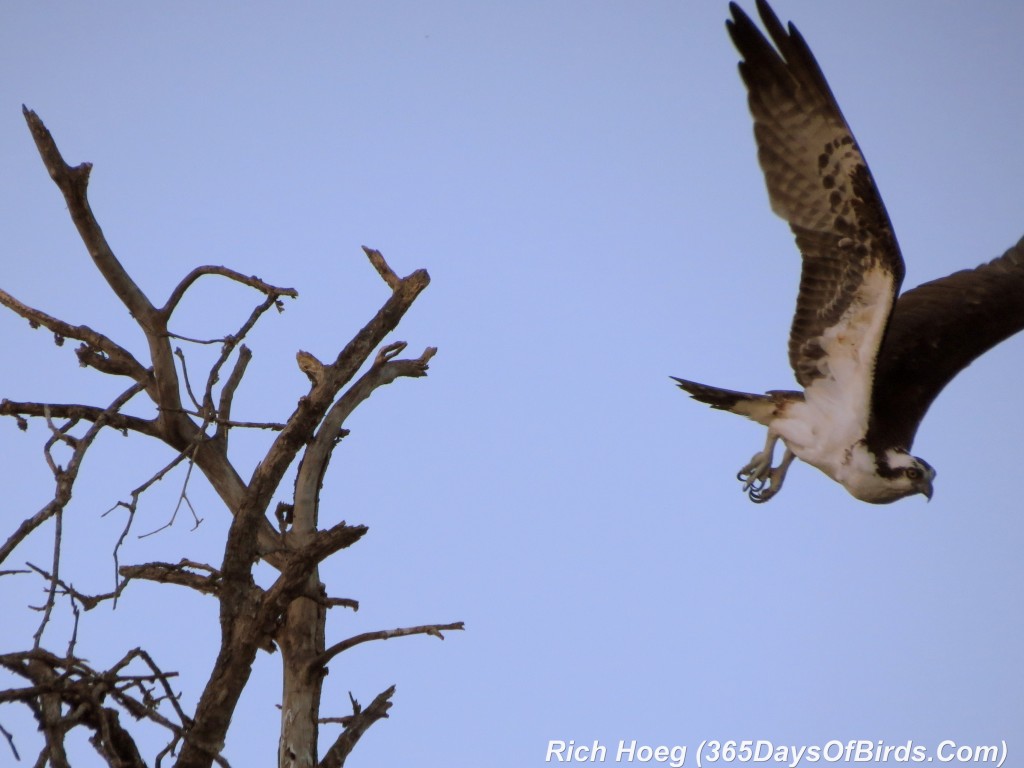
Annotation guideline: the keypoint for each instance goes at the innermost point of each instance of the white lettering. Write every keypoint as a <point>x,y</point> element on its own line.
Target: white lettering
<point>797,756</point>
<point>570,752</point>
<point>555,750</point>
<point>762,751</point>
<point>833,751</point>
<point>949,751</point>
<point>675,756</point>
<point>625,753</point>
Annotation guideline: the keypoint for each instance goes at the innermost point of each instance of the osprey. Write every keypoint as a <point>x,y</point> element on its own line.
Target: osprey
<point>870,363</point>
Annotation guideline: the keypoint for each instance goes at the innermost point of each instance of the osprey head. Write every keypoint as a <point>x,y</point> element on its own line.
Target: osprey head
<point>901,475</point>
<point>884,477</point>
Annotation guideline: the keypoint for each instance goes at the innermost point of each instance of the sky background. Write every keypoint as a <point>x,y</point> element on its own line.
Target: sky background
<point>579,178</point>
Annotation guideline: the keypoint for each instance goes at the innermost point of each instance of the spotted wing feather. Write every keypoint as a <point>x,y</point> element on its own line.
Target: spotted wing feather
<point>819,182</point>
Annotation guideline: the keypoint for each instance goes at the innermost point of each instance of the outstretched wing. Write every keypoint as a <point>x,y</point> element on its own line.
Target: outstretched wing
<point>819,182</point>
<point>936,331</point>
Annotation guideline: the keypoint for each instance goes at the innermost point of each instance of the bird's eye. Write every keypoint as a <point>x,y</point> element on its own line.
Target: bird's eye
<point>912,473</point>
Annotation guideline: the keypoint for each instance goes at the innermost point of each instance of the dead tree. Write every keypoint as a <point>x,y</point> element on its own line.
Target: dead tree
<point>194,419</point>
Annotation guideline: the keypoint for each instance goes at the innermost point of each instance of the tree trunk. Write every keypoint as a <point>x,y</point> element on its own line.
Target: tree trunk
<point>301,639</point>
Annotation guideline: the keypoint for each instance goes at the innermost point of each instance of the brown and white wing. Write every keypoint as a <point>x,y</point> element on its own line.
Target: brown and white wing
<point>937,330</point>
<point>819,182</point>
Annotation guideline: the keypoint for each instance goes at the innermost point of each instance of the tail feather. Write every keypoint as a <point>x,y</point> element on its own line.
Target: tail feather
<point>760,408</point>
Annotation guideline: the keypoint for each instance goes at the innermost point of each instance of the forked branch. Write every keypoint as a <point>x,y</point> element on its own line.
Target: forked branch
<point>355,726</point>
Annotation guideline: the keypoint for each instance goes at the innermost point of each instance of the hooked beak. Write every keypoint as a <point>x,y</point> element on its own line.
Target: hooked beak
<point>927,490</point>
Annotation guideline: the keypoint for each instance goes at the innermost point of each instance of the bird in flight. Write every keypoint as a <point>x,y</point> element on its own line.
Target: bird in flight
<point>869,359</point>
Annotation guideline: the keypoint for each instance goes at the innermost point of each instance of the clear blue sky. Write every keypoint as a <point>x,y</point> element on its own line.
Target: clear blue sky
<point>580,180</point>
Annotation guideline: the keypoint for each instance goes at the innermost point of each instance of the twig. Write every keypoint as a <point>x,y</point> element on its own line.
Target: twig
<point>227,396</point>
<point>231,342</point>
<point>58,435</point>
<point>27,526</point>
<point>184,374</point>
<point>64,480</point>
<point>191,340</point>
<point>10,742</point>
<point>73,640</point>
<point>132,506</point>
<point>87,601</point>
<point>51,592</point>
<point>160,677</point>
<point>276,426</point>
<point>182,498</point>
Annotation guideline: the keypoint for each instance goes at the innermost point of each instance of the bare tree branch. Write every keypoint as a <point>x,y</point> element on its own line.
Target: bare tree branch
<point>65,478</point>
<point>65,693</point>
<point>358,722</point>
<point>96,351</point>
<point>227,396</point>
<point>382,268</point>
<point>340,602</point>
<point>182,499</point>
<point>238,277</point>
<point>51,593</point>
<point>182,573</point>
<point>87,601</point>
<point>385,369</point>
<point>73,183</point>
<point>386,634</point>
<point>229,346</point>
<point>57,682</point>
<point>119,421</point>
<point>71,682</point>
<point>184,376</point>
<point>10,742</point>
<point>317,456</point>
<point>312,408</point>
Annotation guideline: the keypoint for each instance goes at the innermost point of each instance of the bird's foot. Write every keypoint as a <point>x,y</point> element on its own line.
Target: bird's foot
<point>761,481</point>
<point>764,490</point>
<point>757,471</point>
